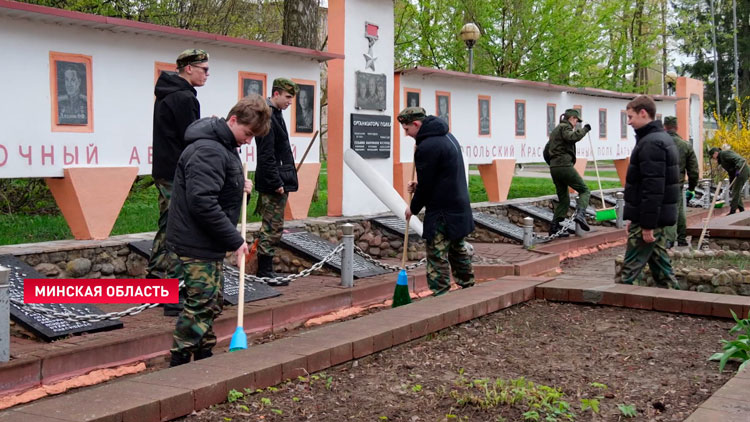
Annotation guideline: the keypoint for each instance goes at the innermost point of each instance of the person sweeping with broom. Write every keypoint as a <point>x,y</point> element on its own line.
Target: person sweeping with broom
<point>738,172</point>
<point>441,189</point>
<point>560,154</point>
<point>202,227</point>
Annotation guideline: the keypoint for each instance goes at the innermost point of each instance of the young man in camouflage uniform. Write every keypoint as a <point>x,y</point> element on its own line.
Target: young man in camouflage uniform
<point>652,192</point>
<point>176,107</point>
<point>202,227</point>
<point>275,177</point>
<point>441,189</point>
<point>561,150</point>
<point>738,171</point>
<point>688,162</point>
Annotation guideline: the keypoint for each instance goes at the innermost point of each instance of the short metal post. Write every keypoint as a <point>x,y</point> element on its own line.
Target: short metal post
<point>620,223</point>
<point>746,190</point>
<point>707,194</point>
<point>347,256</point>
<point>528,232</point>
<point>4,316</point>
<point>726,191</point>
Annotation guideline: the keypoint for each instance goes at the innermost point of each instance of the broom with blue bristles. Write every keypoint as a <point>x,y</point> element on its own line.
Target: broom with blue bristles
<point>401,292</point>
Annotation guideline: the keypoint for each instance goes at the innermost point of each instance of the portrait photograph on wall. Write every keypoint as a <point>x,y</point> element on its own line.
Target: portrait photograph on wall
<point>602,123</point>
<point>303,111</point>
<point>252,83</point>
<point>443,106</point>
<point>623,125</point>
<point>412,97</point>
<point>71,87</point>
<point>371,91</point>
<point>551,118</point>
<point>160,67</point>
<point>520,114</point>
<point>483,105</point>
<point>580,113</point>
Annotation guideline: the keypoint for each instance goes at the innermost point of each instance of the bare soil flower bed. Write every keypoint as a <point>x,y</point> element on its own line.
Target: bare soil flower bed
<point>575,362</point>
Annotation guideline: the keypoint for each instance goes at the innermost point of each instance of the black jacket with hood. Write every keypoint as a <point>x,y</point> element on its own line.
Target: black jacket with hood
<point>207,193</point>
<point>441,178</point>
<point>652,185</point>
<point>176,107</point>
<point>273,151</point>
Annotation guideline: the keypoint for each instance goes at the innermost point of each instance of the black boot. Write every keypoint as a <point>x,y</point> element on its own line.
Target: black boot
<point>732,211</point>
<point>741,208</point>
<point>580,218</point>
<point>202,354</point>
<point>179,358</point>
<point>555,227</point>
<point>265,269</point>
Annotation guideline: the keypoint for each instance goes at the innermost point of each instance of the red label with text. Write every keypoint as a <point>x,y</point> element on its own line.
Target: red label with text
<point>99,290</point>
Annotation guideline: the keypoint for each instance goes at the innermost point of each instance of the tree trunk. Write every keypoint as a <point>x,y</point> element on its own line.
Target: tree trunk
<point>301,22</point>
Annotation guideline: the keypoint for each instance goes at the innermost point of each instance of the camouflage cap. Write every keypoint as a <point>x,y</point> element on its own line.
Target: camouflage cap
<point>712,151</point>
<point>670,121</point>
<point>572,112</point>
<point>190,56</point>
<point>286,84</point>
<point>410,114</point>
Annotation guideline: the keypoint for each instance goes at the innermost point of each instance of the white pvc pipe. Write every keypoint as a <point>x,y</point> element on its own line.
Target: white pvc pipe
<point>380,187</point>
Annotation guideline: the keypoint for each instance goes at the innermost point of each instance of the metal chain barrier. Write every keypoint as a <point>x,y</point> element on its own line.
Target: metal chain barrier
<point>282,281</point>
<point>566,225</point>
<point>390,267</point>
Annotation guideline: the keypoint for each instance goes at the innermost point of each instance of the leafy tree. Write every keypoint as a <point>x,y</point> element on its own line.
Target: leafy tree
<point>606,44</point>
<point>692,28</point>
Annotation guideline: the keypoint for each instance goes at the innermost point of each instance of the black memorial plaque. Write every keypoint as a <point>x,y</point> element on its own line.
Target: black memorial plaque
<point>608,198</point>
<point>535,212</point>
<point>317,248</point>
<point>396,225</point>
<point>499,226</point>
<point>253,290</point>
<point>46,327</point>
<point>371,135</point>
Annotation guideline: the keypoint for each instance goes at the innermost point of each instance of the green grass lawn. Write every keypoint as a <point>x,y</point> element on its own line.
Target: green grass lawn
<point>602,173</point>
<point>140,213</point>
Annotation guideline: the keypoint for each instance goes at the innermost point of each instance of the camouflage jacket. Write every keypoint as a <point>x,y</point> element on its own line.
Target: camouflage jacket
<point>562,144</point>
<point>688,160</point>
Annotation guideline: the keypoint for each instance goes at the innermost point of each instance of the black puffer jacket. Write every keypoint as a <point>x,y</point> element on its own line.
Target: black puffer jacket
<point>441,178</point>
<point>273,151</point>
<point>652,185</point>
<point>176,107</point>
<point>207,193</point>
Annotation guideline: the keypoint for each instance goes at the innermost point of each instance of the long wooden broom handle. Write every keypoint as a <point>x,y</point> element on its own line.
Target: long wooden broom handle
<point>596,167</point>
<point>241,259</point>
<point>312,141</point>
<point>710,212</point>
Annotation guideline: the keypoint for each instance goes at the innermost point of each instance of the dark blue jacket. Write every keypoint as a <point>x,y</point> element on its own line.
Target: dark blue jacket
<point>207,193</point>
<point>652,185</point>
<point>441,177</point>
<point>175,108</point>
<point>273,151</point>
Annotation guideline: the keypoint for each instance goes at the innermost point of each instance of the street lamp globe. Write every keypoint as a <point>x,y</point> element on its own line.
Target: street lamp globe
<point>469,34</point>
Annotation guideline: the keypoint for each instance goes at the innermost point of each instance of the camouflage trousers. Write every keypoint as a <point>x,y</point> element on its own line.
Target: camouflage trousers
<point>639,253</point>
<point>735,193</point>
<point>678,232</point>
<point>564,178</point>
<point>204,301</point>
<point>158,262</point>
<point>271,209</point>
<point>445,256</point>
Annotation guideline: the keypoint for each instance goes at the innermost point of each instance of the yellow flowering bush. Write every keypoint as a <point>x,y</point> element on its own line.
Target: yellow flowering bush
<point>728,136</point>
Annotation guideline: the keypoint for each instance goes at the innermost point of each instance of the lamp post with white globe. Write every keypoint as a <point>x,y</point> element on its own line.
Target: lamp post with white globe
<point>470,35</point>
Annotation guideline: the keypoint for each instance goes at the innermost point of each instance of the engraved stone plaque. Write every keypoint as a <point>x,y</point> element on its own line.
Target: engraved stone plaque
<point>46,327</point>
